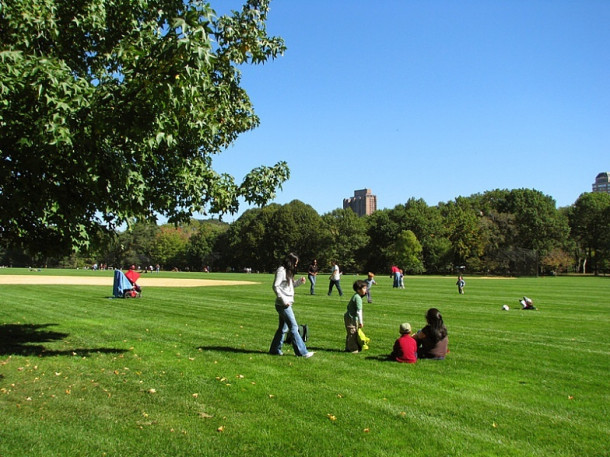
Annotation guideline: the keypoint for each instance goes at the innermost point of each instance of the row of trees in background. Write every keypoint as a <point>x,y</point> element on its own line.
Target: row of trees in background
<point>506,232</point>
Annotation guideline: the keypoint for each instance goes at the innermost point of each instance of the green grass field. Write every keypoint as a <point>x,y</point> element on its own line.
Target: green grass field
<point>185,371</point>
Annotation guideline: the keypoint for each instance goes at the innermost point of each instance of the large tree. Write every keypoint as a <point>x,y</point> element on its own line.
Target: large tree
<point>590,224</point>
<point>345,241</point>
<point>295,227</point>
<point>537,224</point>
<point>382,229</point>
<point>464,232</point>
<point>111,111</point>
<point>426,222</point>
<point>261,238</point>
<point>203,245</point>
<point>408,252</point>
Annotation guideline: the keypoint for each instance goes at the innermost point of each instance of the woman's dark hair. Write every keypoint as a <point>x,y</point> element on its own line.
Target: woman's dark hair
<point>290,264</point>
<point>359,284</point>
<point>435,321</point>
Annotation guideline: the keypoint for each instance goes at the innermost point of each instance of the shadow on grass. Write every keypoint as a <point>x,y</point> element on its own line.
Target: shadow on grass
<point>320,349</point>
<point>230,349</point>
<point>381,358</point>
<point>250,351</point>
<point>21,339</point>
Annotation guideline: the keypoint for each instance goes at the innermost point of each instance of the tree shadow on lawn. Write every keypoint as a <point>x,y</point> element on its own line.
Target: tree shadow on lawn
<point>18,339</point>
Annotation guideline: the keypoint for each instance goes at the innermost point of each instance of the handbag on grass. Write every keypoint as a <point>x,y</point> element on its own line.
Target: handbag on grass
<point>303,331</point>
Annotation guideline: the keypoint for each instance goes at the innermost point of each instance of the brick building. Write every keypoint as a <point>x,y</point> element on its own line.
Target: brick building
<point>363,203</point>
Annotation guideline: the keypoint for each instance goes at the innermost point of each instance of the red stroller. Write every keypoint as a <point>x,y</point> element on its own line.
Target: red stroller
<point>125,285</point>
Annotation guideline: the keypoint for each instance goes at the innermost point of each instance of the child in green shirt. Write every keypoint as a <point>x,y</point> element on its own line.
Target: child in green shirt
<point>353,317</point>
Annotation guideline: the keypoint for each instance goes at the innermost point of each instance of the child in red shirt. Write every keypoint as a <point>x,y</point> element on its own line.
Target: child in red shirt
<point>405,347</point>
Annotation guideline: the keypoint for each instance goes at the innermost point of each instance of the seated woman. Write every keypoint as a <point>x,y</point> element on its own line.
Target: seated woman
<point>432,340</point>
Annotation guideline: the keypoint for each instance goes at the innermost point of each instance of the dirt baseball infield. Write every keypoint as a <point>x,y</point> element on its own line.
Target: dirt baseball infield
<point>144,281</point>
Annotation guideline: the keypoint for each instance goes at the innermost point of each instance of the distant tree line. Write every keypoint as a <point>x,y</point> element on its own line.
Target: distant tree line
<point>501,232</point>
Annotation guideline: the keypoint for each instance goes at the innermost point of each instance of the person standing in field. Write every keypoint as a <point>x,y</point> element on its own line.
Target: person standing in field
<point>335,279</point>
<point>312,273</point>
<point>370,280</point>
<point>283,286</point>
<point>395,276</point>
<point>353,318</point>
<point>460,284</point>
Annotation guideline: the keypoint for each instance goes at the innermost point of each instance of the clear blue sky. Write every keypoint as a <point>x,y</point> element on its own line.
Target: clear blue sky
<point>430,99</point>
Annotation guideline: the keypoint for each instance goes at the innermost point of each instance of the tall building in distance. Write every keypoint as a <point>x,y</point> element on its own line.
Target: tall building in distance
<point>601,183</point>
<point>363,203</point>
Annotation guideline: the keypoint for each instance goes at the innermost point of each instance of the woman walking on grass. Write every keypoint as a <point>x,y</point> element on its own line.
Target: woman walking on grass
<point>283,286</point>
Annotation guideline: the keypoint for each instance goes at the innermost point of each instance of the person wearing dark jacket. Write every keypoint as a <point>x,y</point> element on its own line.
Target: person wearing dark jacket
<point>432,340</point>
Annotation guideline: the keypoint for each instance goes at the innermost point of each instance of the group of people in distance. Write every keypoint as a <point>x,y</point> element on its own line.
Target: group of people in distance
<point>431,342</point>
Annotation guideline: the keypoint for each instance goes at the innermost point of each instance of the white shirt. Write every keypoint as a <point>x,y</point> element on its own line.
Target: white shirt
<point>284,288</point>
<point>335,275</point>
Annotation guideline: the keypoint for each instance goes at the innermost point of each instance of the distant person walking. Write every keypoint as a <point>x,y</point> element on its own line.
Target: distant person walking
<point>370,280</point>
<point>335,279</point>
<point>283,286</point>
<point>312,273</point>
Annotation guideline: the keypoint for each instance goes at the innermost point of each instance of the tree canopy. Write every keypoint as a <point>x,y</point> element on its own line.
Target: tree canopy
<point>590,224</point>
<point>112,110</point>
<point>475,234</point>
